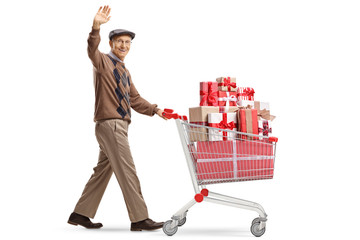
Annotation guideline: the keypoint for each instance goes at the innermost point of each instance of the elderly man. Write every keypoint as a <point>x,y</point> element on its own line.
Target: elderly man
<point>115,93</point>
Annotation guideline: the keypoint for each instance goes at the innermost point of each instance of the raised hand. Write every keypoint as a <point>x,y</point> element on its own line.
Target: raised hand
<point>102,16</point>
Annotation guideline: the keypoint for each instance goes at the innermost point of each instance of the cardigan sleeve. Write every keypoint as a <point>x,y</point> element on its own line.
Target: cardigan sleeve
<point>139,104</point>
<point>93,51</point>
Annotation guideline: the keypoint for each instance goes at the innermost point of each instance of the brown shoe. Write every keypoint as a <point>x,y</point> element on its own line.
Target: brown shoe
<point>146,224</point>
<point>77,219</point>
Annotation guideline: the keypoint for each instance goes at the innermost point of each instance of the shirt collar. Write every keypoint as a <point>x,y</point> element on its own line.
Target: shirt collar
<point>115,57</point>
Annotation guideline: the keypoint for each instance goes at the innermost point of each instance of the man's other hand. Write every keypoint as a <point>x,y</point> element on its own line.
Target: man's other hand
<point>102,16</point>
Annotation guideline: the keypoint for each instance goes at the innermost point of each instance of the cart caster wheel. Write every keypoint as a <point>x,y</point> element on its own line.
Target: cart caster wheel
<point>256,220</point>
<point>168,230</point>
<point>255,229</point>
<point>182,222</point>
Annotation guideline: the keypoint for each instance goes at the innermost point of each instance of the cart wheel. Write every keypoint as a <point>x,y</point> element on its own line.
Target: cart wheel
<point>255,221</point>
<point>255,229</point>
<point>182,222</point>
<point>168,230</point>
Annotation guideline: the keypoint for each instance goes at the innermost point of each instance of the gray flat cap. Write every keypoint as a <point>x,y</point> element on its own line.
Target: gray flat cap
<point>121,32</point>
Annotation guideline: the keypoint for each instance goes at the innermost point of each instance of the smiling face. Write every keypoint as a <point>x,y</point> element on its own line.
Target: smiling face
<point>120,45</point>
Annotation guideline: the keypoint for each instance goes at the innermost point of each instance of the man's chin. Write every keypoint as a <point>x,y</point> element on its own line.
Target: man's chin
<point>121,55</point>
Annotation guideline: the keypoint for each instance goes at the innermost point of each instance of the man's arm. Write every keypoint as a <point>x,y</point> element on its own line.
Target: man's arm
<point>142,106</point>
<point>101,17</point>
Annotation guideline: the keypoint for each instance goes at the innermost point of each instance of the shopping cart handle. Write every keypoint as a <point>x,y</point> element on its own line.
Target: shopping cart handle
<point>168,113</point>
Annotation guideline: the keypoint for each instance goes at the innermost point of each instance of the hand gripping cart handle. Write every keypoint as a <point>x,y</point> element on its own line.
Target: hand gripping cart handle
<point>219,155</point>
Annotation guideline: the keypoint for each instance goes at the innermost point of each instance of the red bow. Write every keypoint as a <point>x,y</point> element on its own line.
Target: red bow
<point>224,125</point>
<point>265,130</point>
<point>249,91</point>
<point>228,84</point>
<point>210,96</point>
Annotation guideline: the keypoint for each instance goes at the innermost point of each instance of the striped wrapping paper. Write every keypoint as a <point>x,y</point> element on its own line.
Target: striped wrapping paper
<point>245,93</point>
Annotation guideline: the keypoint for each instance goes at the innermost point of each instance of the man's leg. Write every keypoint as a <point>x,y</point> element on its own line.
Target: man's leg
<point>95,188</point>
<point>112,137</point>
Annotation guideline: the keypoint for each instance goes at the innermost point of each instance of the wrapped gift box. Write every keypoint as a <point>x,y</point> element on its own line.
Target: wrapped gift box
<point>227,84</point>
<point>199,116</point>
<point>263,108</point>
<point>245,93</point>
<point>247,121</point>
<point>254,148</point>
<point>257,160</point>
<point>215,160</point>
<point>244,160</point>
<point>256,169</point>
<point>264,128</point>
<point>225,149</point>
<point>208,94</point>
<point>226,121</point>
<point>227,98</point>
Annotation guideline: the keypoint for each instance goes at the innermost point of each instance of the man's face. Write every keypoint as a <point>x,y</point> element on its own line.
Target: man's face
<point>120,46</point>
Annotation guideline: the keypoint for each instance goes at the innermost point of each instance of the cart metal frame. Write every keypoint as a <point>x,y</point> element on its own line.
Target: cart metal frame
<point>202,194</point>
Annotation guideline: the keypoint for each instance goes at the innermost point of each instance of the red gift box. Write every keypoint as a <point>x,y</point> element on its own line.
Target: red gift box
<point>247,121</point>
<point>258,161</point>
<point>243,160</point>
<point>208,94</point>
<point>215,160</point>
<point>227,98</point>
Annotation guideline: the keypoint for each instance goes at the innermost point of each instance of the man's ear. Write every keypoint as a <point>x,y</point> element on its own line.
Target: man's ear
<point>110,43</point>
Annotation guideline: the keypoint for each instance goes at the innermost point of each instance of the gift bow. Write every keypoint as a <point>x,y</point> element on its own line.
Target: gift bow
<point>249,91</point>
<point>224,125</point>
<point>246,107</point>
<point>265,130</point>
<point>228,98</point>
<point>228,84</point>
<point>209,95</point>
<point>265,114</point>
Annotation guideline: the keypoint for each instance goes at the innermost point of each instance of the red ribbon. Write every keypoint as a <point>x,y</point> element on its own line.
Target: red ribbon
<point>210,96</point>
<point>249,92</point>
<point>224,125</point>
<point>228,84</point>
<point>265,130</point>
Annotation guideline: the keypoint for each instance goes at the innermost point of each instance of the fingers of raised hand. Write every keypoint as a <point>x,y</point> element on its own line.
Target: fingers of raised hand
<point>106,10</point>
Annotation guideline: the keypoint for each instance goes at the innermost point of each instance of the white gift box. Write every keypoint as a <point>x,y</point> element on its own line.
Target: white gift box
<point>226,121</point>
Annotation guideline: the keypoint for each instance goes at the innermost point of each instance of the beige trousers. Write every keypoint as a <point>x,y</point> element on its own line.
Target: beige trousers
<point>114,156</point>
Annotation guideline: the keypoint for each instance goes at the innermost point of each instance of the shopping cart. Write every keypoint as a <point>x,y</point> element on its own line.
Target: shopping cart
<point>216,155</point>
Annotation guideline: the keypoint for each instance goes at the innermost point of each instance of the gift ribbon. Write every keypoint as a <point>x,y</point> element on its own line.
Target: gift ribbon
<point>224,125</point>
<point>249,91</point>
<point>246,107</point>
<point>228,98</point>
<point>209,96</point>
<point>265,114</point>
<point>226,83</point>
<point>265,130</point>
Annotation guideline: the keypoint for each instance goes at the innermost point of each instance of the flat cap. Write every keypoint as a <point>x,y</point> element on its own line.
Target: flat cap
<point>121,32</point>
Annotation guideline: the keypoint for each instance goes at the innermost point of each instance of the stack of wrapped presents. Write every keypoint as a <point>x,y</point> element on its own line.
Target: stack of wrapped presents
<point>224,105</point>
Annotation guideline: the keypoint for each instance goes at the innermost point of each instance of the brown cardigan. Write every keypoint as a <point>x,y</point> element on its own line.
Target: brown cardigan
<point>115,92</point>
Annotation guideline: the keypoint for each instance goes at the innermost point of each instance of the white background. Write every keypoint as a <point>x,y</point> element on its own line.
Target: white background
<point>301,56</point>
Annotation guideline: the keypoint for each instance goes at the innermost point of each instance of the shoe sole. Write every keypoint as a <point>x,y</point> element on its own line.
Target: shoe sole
<point>72,223</point>
<point>75,224</point>
<point>140,229</point>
